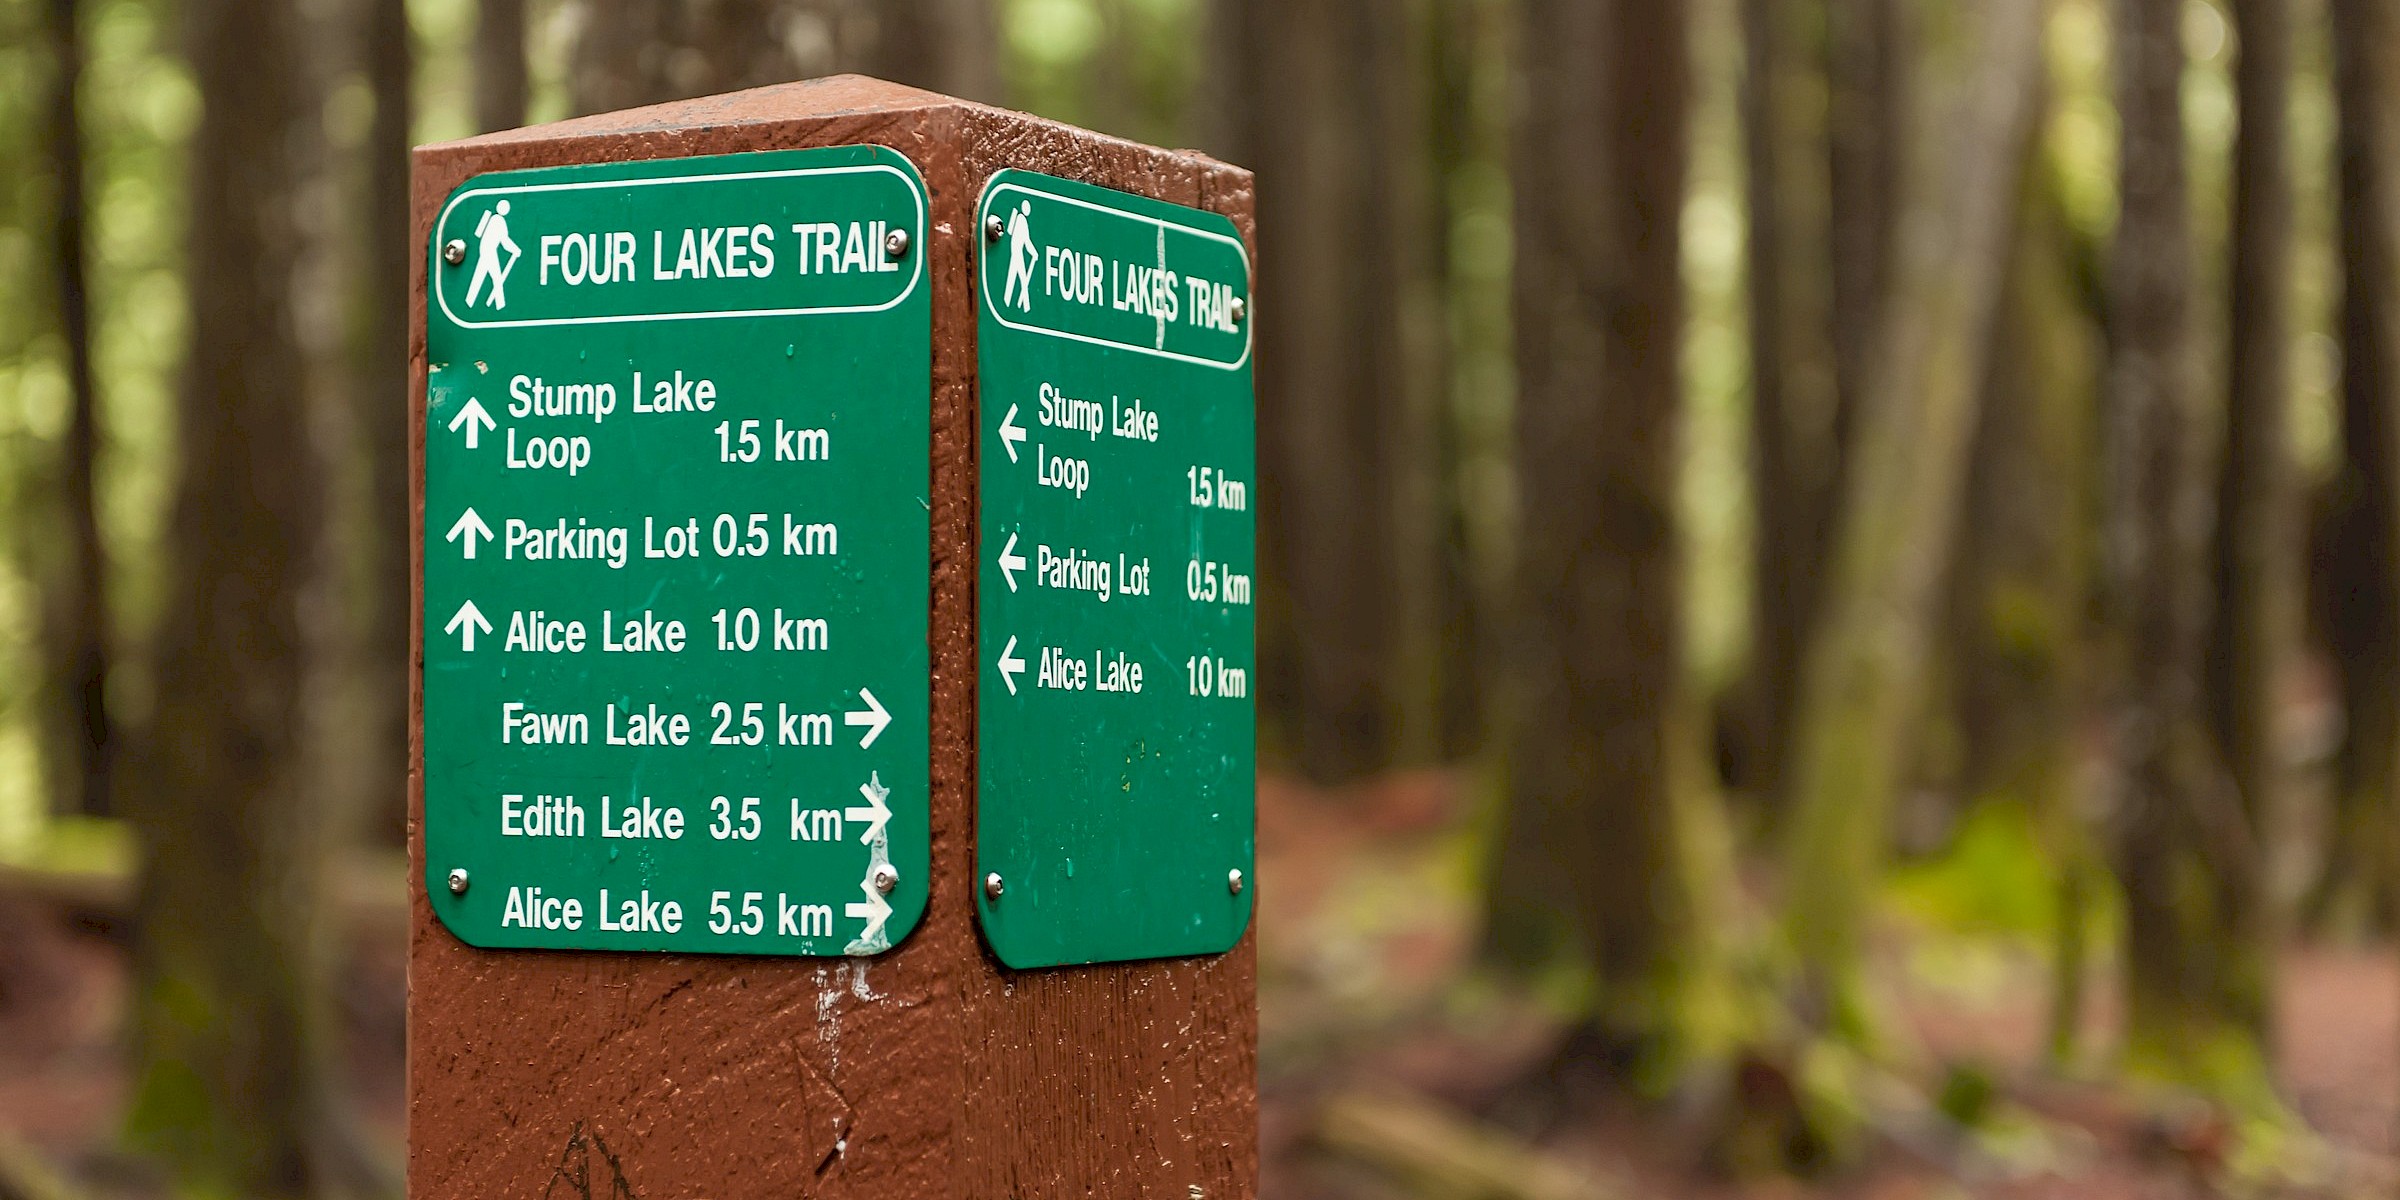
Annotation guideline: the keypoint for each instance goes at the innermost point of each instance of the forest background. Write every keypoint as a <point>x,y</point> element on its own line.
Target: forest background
<point>1828,609</point>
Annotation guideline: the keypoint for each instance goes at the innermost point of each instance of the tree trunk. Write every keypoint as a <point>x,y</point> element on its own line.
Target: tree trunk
<point>1600,157</point>
<point>1793,398</point>
<point>1310,106</point>
<point>947,46</point>
<point>83,748</point>
<point>1863,685</point>
<point>2257,553</point>
<point>378,365</point>
<point>2021,587</point>
<point>2183,845</point>
<point>500,83</point>
<point>634,52</point>
<point>2361,575</point>
<point>226,1074</point>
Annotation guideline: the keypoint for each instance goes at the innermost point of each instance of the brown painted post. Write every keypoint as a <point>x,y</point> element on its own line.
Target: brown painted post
<point>929,1071</point>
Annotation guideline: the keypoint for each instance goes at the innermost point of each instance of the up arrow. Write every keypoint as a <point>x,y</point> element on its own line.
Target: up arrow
<point>875,814</point>
<point>1011,433</point>
<point>469,527</point>
<point>472,416</point>
<point>875,910</point>
<point>1011,562</point>
<point>872,716</point>
<point>1010,666</point>
<point>466,623</point>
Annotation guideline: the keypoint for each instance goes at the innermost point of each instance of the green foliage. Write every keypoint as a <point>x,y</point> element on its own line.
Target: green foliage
<point>1995,877</point>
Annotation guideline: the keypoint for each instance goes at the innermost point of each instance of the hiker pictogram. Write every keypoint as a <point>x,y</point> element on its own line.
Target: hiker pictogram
<point>491,241</point>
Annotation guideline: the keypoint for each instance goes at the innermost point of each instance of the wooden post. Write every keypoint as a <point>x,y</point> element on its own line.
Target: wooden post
<point>927,1071</point>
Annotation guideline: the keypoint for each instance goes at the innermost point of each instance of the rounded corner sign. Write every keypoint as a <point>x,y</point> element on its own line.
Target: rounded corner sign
<point>1115,726</point>
<point>677,555</point>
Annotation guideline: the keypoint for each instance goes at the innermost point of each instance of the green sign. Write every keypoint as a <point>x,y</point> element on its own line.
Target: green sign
<point>676,555</point>
<point>1116,736</point>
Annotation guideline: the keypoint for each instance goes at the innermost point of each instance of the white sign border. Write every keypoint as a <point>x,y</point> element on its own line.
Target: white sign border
<point>917,239</point>
<point>983,283</point>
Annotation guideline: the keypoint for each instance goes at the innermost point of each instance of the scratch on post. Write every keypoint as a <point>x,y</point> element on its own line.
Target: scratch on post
<point>574,1169</point>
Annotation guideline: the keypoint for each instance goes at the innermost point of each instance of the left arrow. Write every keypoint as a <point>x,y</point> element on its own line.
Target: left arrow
<point>872,716</point>
<point>1011,562</point>
<point>472,416</point>
<point>468,621</point>
<point>470,527</point>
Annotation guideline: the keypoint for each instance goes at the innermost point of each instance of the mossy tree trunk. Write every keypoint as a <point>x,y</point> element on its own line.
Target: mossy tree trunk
<point>226,1074</point>
<point>1863,685</point>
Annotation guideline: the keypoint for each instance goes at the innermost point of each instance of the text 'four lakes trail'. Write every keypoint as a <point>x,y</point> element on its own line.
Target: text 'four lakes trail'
<point>1115,725</point>
<point>676,552</point>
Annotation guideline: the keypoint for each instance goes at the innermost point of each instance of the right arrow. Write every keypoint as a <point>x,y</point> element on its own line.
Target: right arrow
<point>1011,433</point>
<point>471,416</point>
<point>466,623</point>
<point>874,910</point>
<point>874,814</point>
<point>1011,562</point>
<point>1010,666</point>
<point>469,527</point>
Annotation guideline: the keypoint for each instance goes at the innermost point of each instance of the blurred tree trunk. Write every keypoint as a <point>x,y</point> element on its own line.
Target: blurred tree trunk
<point>2183,849</point>
<point>1314,87</point>
<point>81,745</point>
<point>500,78</point>
<point>1870,122</point>
<point>226,1076</point>
<point>1864,684</point>
<point>1793,398</point>
<point>2257,555</point>
<point>1589,862</point>
<point>945,46</point>
<point>2021,588</point>
<point>634,52</point>
<point>1460,39</point>
<point>378,365</point>
<point>2362,537</point>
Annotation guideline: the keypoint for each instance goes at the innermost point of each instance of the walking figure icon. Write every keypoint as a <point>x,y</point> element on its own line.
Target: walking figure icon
<point>491,241</point>
<point>1023,256</point>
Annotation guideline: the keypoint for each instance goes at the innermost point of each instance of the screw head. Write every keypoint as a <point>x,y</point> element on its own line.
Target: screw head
<point>1238,309</point>
<point>895,243</point>
<point>454,252</point>
<point>993,229</point>
<point>886,878</point>
<point>458,881</point>
<point>993,886</point>
<point>1233,881</point>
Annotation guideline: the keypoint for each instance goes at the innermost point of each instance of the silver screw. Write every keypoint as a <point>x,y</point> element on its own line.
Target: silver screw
<point>886,879</point>
<point>458,881</point>
<point>992,229</point>
<point>454,252</point>
<point>895,243</point>
<point>1233,881</point>
<point>1238,309</point>
<point>992,886</point>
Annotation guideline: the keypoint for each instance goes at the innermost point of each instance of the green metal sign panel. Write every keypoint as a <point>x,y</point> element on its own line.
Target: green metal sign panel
<point>676,551</point>
<point>1116,736</point>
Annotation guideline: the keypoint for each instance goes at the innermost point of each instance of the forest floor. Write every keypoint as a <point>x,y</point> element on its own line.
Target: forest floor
<point>1392,1067</point>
